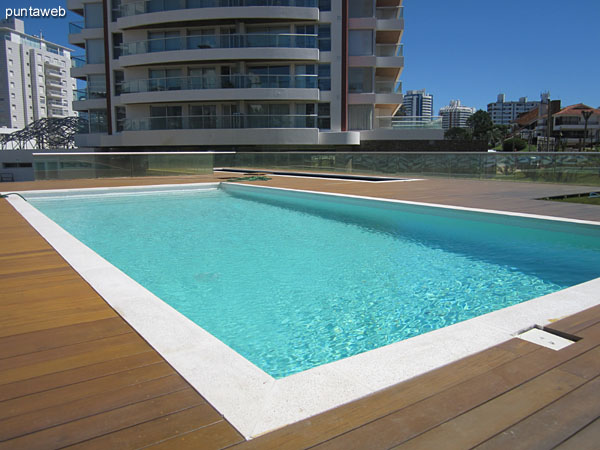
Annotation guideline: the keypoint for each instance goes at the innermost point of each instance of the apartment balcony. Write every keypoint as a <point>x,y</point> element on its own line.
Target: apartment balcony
<point>58,112</point>
<point>53,73</point>
<point>142,13</point>
<point>214,122</point>
<point>84,100</point>
<point>220,47</point>
<point>54,93</point>
<point>49,64</point>
<point>76,6</point>
<point>385,56</point>
<point>52,82</point>
<point>221,88</point>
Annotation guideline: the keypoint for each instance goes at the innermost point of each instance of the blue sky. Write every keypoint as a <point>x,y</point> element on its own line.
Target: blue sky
<point>474,49</point>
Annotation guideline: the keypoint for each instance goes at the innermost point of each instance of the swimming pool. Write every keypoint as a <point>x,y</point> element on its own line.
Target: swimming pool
<point>359,227</point>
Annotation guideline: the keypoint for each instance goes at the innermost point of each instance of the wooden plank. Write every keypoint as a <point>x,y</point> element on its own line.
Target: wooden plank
<point>89,372</point>
<point>77,391</point>
<point>21,344</point>
<point>332,423</point>
<point>553,424</point>
<point>197,425</point>
<point>475,426</point>
<point>64,358</point>
<point>435,410</point>
<point>577,322</point>
<point>52,289</point>
<point>586,439</point>
<point>104,423</point>
<point>464,394</point>
<point>41,419</point>
<point>90,314</point>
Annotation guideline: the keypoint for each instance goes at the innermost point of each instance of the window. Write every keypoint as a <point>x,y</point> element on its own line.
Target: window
<point>164,79</point>
<point>360,42</point>
<point>360,117</point>
<point>98,121</point>
<point>324,116</point>
<point>120,117</point>
<point>325,77</point>
<point>93,15</point>
<point>360,79</point>
<point>119,78</point>
<point>96,86</point>
<point>165,117</point>
<point>94,49</point>
<point>203,116</point>
<point>117,39</point>
<point>160,41</point>
<point>324,39</point>
<point>305,76</point>
<point>360,8</point>
<point>325,5</point>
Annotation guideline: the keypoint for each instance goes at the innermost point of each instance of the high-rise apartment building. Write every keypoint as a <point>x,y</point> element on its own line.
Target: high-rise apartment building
<point>418,104</point>
<point>34,77</point>
<point>455,115</point>
<point>249,73</point>
<point>504,113</point>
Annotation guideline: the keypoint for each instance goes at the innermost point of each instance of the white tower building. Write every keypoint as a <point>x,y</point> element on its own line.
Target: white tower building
<point>455,115</point>
<point>34,77</point>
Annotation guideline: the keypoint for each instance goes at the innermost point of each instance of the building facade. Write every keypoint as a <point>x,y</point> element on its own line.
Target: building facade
<point>35,81</point>
<point>418,104</point>
<point>310,73</point>
<point>571,129</point>
<point>504,113</point>
<point>455,116</point>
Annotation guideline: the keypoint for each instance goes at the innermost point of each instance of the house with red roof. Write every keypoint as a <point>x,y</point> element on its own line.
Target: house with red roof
<point>569,126</point>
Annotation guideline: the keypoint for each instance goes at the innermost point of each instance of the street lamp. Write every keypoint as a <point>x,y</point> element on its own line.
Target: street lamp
<point>586,116</point>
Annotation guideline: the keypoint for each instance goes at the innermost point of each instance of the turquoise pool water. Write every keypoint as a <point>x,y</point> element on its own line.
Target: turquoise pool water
<point>292,281</point>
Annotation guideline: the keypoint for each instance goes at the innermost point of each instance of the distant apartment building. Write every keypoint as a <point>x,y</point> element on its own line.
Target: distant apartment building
<point>455,115</point>
<point>504,113</point>
<point>35,80</point>
<point>418,104</point>
<point>244,74</point>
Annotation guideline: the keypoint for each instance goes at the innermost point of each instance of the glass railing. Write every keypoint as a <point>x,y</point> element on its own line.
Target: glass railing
<point>387,50</point>
<point>388,87</point>
<point>78,61</point>
<point>221,41</point>
<point>53,73</point>
<point>150,6</point>
<point>571,168</point>
<point>395,122</point>
<point>220,82</point>
<point>66,166</point>
<point>389,12</point>
<point>53,93</point>
<point>76,27</point>
<point>220,122</point>
<point>86,94</point>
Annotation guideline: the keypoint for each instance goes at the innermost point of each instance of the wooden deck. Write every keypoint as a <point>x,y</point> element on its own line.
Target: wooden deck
<point>73,373</point>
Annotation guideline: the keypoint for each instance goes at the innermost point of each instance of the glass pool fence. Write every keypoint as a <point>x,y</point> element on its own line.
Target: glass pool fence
<point>569,168</point>
<point>67,166</point>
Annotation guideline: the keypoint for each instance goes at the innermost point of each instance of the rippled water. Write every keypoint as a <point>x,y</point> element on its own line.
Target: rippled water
<point>292,283</point>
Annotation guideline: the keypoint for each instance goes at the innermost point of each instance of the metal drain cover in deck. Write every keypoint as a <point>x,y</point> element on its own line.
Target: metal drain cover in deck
<point>545,339</point>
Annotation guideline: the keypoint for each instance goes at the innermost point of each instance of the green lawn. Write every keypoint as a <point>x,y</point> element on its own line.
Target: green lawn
<point>586,200</point>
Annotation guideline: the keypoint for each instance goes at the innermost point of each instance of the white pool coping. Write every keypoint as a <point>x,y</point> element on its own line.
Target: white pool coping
<point>250,399</point>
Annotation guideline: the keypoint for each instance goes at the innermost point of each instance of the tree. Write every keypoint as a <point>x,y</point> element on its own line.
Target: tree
<point>480,124</point>
<point>517,143</point>
<point>458,134</point>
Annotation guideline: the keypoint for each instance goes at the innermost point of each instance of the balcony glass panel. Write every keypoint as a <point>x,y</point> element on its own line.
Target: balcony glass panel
<point>234,121</point>
<point>221,41</point>
<point>150,6</point>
